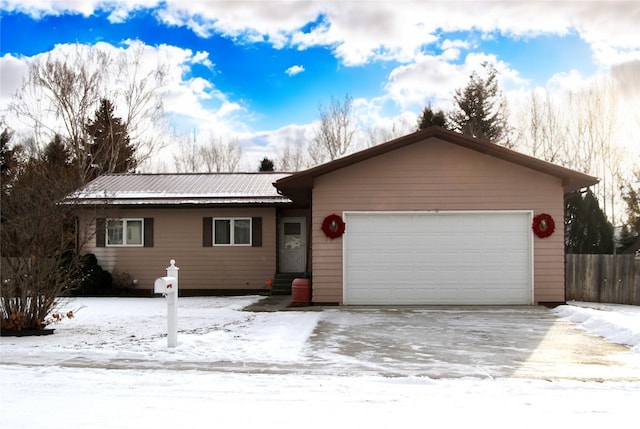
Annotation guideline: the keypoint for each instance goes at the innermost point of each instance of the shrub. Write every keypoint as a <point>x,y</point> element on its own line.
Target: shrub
<point>94,281</point>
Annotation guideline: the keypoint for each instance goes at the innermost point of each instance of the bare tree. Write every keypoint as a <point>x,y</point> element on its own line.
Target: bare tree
<point>141,96</point>
<point>38,245</point>
<point>590,138</point>
<point>187,159</point>
<point>215,156</point>
<point>577,130</point>
<point>59,94</point>
<point>336,131</point>
<point>542,129</point>
<point>381,134</point>
<point>62,90</point>
<point>291,158</point>
<point>220,156</point>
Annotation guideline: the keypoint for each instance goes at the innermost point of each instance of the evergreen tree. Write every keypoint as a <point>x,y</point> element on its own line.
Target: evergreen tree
<point>481,109</point>
<point>8,161</point>
<point>626,238</point>
<point>632,198</point>
<point>631,231</point>
<point>55,153</point>
<point>587,229</point>
<point>56,162</point>
<point>266,165</point>
<point>429,118</point>
<point>111,150</point>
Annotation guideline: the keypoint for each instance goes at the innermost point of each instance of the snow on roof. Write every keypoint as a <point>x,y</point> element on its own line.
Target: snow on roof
<point>181,189</point>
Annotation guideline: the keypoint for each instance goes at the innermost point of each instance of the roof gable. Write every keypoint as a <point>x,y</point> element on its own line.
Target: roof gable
<point>299,185</point>
<point>181,189</point>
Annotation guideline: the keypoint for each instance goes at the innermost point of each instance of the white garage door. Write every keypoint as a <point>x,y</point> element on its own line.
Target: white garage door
<point>437,258</point>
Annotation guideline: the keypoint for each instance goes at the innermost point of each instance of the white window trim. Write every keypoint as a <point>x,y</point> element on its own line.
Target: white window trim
<point>232,237</point>
<point>124,232</point>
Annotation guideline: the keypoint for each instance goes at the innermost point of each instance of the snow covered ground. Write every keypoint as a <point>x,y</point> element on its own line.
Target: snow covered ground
<point>110,367</point>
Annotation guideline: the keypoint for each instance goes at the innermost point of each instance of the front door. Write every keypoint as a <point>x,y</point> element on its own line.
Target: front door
<point>293,245</point>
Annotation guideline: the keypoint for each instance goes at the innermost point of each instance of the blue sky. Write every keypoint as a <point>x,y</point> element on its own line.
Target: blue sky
<point>393,60</point>
<point>254,73</point>
<point>251,73</point>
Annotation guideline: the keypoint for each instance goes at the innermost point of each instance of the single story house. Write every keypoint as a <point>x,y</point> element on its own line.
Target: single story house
<point>434,217</point>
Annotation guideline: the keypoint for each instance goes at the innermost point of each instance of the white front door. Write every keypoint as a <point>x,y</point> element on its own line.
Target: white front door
<point>293,245</point>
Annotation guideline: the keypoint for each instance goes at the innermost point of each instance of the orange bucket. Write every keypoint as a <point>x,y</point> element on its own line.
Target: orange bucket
<point>301,291</point>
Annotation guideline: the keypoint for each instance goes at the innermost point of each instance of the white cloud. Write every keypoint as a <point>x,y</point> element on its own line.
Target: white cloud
<point>432,79</point>
<point>606,55</point>
<point>627,76</point>
<point>271,144</point>
<point>428,79</point>
<point>362,31</point>
<point>455,44</point>
<point>294,70</point>
<point>566,81</point>
<point>202,57</point>
<point>238,19</point>
<point>11,69</point>
<point>199,87</point>
<point>451,49</point>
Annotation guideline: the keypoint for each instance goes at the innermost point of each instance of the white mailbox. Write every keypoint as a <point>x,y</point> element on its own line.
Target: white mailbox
<point>168,286</point>
<point>165,285</point>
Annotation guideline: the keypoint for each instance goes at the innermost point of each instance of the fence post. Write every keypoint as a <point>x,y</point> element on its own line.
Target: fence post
<point>603,278</point>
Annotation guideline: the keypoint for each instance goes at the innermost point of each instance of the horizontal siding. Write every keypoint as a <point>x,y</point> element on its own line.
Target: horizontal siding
<point>178,235</point>
<point>436,176</point>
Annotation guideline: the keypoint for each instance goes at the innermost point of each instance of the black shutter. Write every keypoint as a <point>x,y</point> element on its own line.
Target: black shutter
<point>148,232</point>
<point>207,232</point>
<point>101,232</point>
<point>256,231</point>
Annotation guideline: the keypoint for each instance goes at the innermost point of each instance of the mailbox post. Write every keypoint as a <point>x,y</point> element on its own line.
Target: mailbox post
<point>168,286</point>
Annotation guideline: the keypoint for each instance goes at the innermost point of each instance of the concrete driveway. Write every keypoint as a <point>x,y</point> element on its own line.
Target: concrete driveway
<point>521,342</point>
<point>436,342</point>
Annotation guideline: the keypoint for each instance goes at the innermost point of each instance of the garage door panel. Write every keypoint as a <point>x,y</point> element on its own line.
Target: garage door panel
<point>445,258</point>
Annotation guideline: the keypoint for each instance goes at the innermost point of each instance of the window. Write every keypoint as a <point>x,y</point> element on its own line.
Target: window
<point>125,232</point>
<point>229,231</point>
<point>292,235</point>
<point>232,232</point>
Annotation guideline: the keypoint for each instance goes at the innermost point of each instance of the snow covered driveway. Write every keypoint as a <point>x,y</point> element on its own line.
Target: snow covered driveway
<point>523,342</point>
<point>379,368</point>
<point>214,334</point>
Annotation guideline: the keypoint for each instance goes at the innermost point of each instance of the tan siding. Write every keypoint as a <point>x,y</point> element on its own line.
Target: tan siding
<point>437,176</point>
<point>178,235</point>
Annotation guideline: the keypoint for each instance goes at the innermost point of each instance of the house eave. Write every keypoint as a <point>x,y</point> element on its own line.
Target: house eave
<point>299,184</point>
<point>176,202</point>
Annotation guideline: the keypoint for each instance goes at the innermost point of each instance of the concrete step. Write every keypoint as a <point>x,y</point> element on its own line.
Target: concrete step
<point>281,284</point>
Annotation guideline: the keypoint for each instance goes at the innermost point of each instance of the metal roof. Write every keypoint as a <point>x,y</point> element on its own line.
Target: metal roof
<point>181,189</point>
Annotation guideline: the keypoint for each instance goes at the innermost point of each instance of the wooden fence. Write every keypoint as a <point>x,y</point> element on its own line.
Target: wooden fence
<point>603,278</point>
